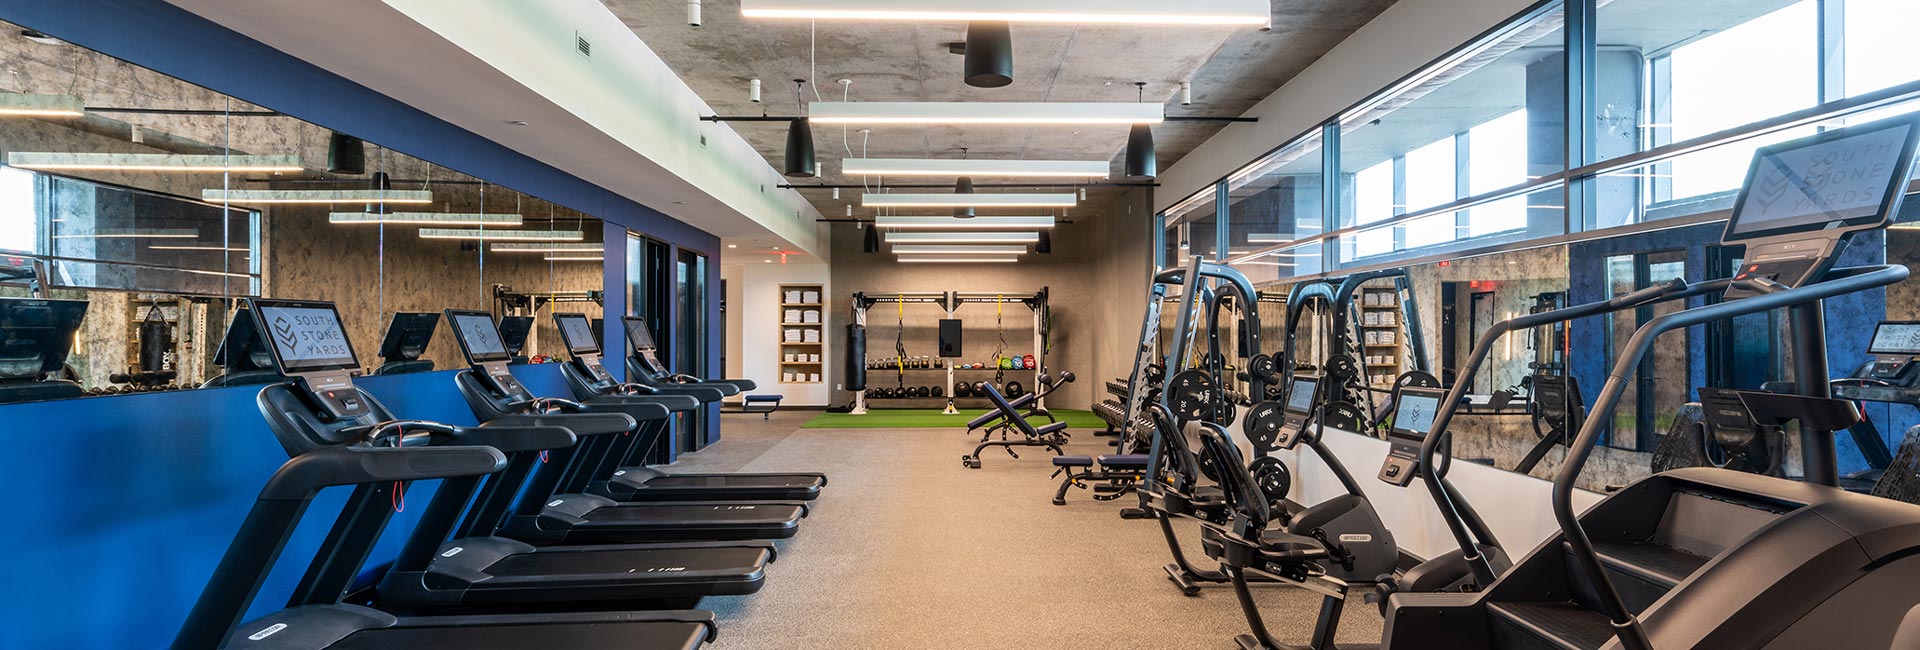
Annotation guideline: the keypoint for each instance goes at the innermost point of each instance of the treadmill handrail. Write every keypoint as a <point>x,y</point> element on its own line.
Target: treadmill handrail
<point>1774,296</point>
<point>1462,521</point>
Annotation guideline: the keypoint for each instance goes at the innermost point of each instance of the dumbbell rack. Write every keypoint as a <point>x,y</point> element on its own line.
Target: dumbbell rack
<point>949,302</point>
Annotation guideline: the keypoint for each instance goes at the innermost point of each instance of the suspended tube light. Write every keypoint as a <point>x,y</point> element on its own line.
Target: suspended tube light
<point>974,167</point>
<point>986,113</point>
<point>937,249</point>
<point>316,196</point>
<point>151,162</point>
<point>963,238</point>
<point>546,248</point>
<point>502,235</point>
<point>976,223</point>
<point>426,218</point>
<point>25,105</point>
<point>967,200</point>
<point>1222,13</point>
<point>958,260</point>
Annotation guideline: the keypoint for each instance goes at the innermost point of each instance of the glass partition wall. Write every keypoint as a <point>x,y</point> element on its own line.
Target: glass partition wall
<point>160,205</point>
<point>1583,149</point>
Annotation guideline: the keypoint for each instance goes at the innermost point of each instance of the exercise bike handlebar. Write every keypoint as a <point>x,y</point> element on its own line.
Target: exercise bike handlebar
<point>1459,517</point>
<point>1773,295</point>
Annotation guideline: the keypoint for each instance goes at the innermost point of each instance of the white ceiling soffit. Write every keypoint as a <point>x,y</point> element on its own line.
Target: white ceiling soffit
<point>618,118</point>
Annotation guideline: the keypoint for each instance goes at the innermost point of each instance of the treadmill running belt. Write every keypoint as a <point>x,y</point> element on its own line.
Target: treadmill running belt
<point>651,635</point>
<point>720,481</point>
<point>687,560</point>
<point>673,515</point>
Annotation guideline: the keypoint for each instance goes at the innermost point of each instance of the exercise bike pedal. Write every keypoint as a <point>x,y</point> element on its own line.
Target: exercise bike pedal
<point>970,462</point>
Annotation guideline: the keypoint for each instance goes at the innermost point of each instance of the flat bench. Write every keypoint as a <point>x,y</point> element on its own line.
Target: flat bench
<point>762,404</point>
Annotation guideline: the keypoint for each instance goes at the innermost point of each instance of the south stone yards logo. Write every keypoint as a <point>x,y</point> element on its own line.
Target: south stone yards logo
<point>283,330</point>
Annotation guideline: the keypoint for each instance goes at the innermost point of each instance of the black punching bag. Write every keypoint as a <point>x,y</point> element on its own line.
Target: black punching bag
<point>856,369</point>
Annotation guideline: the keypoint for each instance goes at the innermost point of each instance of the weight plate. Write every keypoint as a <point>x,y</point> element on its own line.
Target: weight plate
<point>1262,424</point>
<point>1274,480</point>
<point>1344,416</point>
<point>1262,366</point>
<point>1416,379</point>
<point>1342,367</point>
<point>1192,395</point>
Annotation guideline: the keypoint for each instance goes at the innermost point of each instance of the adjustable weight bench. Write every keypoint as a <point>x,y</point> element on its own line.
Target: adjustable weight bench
<point>1050,436</point>
<point>1119,474</point>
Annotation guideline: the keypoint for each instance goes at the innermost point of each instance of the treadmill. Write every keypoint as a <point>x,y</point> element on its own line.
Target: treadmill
<point>341,440</point>
<point>243,356</point>
<point>632,480</point>
<point>513,336</point>
<point>407,337</point>
<point>557,507</point>
<point>644,366</point>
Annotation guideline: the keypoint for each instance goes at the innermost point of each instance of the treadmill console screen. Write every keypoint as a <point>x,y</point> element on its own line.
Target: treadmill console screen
<point>1802,199</point>
<point>1300,400</point>
<point>641,341</point>
<point>477,336</point>
<point>1896,338</point>
<point>577,332</point>
<point>513,332</point>
<point>309,344</point>
<point>480,341</point>
<point>1414,411</point>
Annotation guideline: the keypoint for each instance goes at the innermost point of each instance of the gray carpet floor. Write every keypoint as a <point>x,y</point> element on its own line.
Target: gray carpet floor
<point>908,549</point>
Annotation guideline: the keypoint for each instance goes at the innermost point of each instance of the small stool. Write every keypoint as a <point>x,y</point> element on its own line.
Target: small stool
<point>762,404</point>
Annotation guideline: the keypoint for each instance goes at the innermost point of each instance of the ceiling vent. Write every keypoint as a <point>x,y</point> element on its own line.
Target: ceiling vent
<point>582,45</point>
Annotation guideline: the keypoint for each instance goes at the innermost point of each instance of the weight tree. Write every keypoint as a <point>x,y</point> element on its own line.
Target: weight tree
<point>949,303</point>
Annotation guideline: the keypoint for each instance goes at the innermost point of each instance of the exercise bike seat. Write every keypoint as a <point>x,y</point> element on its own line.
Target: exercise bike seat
<point>1073,461</point>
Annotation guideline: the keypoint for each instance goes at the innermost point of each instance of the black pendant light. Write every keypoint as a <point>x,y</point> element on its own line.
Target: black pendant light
<point>800,161</point>
<point>1141,163</point>
<point>989,54</point>
<point>346,154</point>
<point>963,186</point>
<point>871,243</point>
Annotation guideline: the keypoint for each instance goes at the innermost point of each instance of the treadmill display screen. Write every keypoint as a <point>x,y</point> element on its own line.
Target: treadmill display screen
<point>577,332</point>
<point>1300,399</point>
<point>1896,339</point>
<point>637,334</point>
<point>1413,415</point>
<point>478,337</point>
<point>1851,176</point>
<point>307,337</point>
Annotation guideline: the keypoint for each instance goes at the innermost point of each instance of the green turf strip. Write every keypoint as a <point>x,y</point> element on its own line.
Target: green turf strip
<point>933,419</point>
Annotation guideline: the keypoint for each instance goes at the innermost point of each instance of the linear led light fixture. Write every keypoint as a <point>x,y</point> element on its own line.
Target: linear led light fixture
<point>986,113</point>
<point>24,105</point>
<point>316,196</point>
<point>969,200</point>
<point>427,218</point>
<point>547,248</point>
<point>958,260</point>
<point>1225,13</point>
<point>984,168</point>
<point>952,223</point>
<point>142,233</point>
<point>565,258</point>
<point>151,162</point>
<point>963,238</point>
<point>935,249</point>
<point>502,235</point>
<point>229,249</point>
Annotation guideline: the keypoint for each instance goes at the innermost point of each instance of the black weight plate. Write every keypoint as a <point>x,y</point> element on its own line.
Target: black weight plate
<point>1342,367</point>
<point>1262,424</point>
<point>1191,394</point>
<point>1225,413</point>
<point>1346,417</point>
<point>1274,480</point>
<point>1262,366</point>
<point>1416,379</point>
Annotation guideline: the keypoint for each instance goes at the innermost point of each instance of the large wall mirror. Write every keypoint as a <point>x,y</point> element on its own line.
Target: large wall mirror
<point>145,208</point>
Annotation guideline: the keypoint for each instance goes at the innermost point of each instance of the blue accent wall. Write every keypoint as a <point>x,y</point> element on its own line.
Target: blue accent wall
<point>124,504</point>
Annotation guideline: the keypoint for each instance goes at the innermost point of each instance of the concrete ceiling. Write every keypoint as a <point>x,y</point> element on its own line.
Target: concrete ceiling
<point>1231,70</point>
